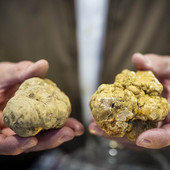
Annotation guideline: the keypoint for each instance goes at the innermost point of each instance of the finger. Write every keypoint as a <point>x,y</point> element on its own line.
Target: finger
<point>52,138</point>
<point>155,138</point>
<point>96,130</point>
<point>160,65</point>
<point>14,73</point>
<point>14,145</point>
<point>75,125</point>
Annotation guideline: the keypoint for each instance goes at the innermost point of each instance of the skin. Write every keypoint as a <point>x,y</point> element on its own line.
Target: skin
<point>158,137</point>
<point>11,76</point>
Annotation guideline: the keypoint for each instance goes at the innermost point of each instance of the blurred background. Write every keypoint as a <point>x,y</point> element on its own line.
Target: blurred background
<point>86,42</point>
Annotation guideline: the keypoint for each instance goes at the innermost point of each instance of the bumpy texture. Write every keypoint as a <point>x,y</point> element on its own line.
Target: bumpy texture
<point>37,105</point>
<point>129,106</point>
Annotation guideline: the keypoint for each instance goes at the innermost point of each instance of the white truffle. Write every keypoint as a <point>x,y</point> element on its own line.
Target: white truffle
<point>37,105</point>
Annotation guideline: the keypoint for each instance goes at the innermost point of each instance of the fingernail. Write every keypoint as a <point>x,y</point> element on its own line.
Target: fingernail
<point>79,132</point>
<point>92,131</point>
<point>65,138</point>
<point>144,143</point>
<point>96,131</point>
<point>28,144</point>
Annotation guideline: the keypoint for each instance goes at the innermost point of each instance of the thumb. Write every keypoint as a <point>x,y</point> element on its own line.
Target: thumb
<point>159,65</point>
<point>37,69</point>
<point>14,73</point>
<point>155,138</point>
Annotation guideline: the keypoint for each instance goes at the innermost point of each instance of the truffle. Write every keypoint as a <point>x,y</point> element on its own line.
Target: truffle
<point>37,105</point>
<point>129,106</point>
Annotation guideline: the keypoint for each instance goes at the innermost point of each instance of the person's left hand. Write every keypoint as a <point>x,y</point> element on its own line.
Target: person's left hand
<point>11,76</point>
<point>154,138</point>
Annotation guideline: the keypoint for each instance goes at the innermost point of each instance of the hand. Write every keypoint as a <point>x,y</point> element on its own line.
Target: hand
<point>11,76</point>
<point>154,138</point>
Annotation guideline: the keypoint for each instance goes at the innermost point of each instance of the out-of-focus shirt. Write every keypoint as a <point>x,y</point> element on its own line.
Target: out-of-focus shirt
<point>91,23</point>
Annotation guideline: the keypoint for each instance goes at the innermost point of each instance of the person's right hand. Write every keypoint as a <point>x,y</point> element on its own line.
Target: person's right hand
<point>11,76</point>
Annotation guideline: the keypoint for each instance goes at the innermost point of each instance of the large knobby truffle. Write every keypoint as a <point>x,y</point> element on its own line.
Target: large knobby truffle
<point>37,105</point>
<point>129,106</point>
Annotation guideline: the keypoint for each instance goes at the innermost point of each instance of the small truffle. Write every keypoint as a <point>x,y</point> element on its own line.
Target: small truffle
<point>37,105</point>
<point>130,105</point>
